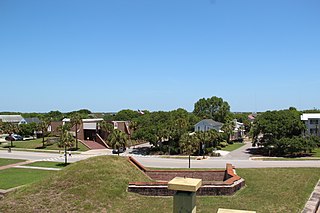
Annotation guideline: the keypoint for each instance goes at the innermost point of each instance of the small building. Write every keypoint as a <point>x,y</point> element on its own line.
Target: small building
<point>312,122</point>
<point>15,119</point>
<point>32,120</point>
<point>208,124</point>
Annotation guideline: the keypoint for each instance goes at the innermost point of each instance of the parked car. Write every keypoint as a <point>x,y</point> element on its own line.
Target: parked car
<point>121,150</point>
<point>14,137</point>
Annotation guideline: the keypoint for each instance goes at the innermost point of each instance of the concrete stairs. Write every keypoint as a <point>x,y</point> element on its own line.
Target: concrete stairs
<point>93,145</point>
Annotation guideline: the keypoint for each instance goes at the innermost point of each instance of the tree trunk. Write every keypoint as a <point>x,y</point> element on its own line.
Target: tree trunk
<point>11,142</point>
<point>43,137</point>
<point>76,136</point>
<point>65,155</point>
<point>118,151</point>
<point>189,162</point>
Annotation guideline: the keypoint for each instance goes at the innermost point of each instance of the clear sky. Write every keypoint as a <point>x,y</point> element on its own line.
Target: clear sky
<point>110,55</point>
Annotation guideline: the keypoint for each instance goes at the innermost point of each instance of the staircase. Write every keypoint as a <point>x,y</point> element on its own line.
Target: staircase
<point>93,145</point>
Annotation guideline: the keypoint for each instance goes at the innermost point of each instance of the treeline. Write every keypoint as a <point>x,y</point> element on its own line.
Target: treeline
<point>281,133</point>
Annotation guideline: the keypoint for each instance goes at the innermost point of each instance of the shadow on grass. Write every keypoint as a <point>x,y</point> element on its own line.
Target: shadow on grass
<point>62,164</point>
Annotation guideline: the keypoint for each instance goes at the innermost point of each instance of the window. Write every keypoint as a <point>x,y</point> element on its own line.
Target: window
<point>314,121</point>
<point>313,131</point>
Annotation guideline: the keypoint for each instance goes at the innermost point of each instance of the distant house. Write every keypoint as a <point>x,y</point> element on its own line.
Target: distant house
<point>15,119</point>
<point>32,120</point>
<point>312,122</point>
<point>207,124</point>
<point>238,131</point>
<point>252,117</point>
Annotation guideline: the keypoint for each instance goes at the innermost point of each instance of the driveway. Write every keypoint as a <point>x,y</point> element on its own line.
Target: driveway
<point>240,154</point>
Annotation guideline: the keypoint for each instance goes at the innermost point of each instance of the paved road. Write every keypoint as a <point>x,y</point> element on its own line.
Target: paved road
<point>221,163</point>
<point>238,158</point>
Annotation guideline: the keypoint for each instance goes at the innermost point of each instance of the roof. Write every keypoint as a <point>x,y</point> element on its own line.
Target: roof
<point>307,116</point>
<point>209,122</point>
<point>11,118</point>
<point>32,120</point>
<point>92,120</point>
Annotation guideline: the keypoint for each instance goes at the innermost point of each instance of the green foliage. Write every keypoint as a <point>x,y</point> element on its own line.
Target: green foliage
<point>126,115</point>
<point>27,129</point>
<point>162,126</point>
<point>281,132</point>
<point>118,139</point>
<point>214,108</point>
<point>189,143</point>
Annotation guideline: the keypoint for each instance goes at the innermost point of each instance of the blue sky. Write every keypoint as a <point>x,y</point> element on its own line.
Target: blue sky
<point>110,55</point>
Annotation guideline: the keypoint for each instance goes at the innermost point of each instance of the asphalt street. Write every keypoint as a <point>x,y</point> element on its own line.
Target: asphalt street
<point>239,158</point>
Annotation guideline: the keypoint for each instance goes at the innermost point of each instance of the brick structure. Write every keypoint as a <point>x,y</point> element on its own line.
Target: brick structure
<point>219,182</point>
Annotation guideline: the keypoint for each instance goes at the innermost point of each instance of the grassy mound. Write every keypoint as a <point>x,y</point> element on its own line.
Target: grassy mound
<point>95,185</point>
<point>99,185</point>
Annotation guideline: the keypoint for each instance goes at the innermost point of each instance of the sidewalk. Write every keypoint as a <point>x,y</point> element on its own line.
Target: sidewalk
<point>14,165</point>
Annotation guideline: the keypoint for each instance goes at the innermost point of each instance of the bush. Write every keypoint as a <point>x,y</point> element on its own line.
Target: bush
<point>223,144</point>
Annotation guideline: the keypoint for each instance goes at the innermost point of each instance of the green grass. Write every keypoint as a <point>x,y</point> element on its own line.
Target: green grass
<point>47,164</point>
<point>316,152</point>
<point>100,185</point>
<point>14,177</point>
<point>37,144</point>
<point>286,159</point>
<point>4,161</point>
<point>232,147</point>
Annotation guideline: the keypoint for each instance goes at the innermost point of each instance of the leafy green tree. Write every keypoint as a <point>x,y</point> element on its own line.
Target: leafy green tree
<point>118,139</point>
<point>27,129</point>
<point>214,108</point>
<point>279,130</point>
<point>126,115</point>
<point>188,144</point>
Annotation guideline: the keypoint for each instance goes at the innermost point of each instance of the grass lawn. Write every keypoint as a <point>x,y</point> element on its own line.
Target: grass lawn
<point>100,185</point>
<point>286,159</point>
<point>232,147</point>
<point>37,144</point>
<point>14,177</point>
<point>316,152</point>
<point>47,164</point>
<point>5,161</point>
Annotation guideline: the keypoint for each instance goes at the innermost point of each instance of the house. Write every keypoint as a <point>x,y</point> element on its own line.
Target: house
<point>312,122</point>
<point>15,119</point>
<point>32,120</point>
<point>238,131</point>
<point>252,117</point>
<point>207,124</point>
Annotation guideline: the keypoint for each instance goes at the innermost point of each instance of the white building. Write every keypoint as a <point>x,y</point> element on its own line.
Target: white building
<point>15,119</point>
<point>207,124</point>
<point>312,122</point>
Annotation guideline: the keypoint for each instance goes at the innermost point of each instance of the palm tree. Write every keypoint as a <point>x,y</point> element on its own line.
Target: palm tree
<point>43,126</point>
<point>188,144</point>
<point>76,120</point>
<point>66,141</point>
<point>106,127</point>
<point>118,139</point>
<point>10,128</point>
<point>228,128</point>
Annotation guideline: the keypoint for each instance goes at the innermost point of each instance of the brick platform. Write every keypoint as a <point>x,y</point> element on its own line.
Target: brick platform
<point>219,182</point>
